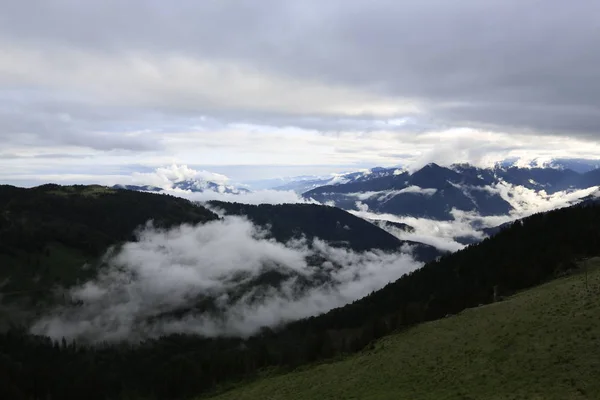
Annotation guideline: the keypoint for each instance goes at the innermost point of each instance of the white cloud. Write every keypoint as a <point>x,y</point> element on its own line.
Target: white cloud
<point>440,234</point>
<point>386,195</point>
<point>527,201</point>
<point>256,197</point>
<point>217,145</point>
<point>165,177</point>
<point>445,235</point>
<point>184,83</point>
<point>417,189</point>
<point>167,270</point>
<point>291,83</point>
<point>362,206</point>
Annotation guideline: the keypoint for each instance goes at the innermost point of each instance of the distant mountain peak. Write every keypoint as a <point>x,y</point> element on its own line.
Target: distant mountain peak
<point>192,185</point>
<point>434,191</point>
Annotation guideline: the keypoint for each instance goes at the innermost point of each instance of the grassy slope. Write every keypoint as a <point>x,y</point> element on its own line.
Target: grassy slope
<point>543,343</point>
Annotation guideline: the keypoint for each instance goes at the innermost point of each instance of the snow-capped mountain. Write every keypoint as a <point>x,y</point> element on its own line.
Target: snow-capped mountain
<point>303,184</point>
<point>436,192</point>
<point>192,185</point>
<point>181,178</point>
<point>577,165</point>
<point>580,165</point>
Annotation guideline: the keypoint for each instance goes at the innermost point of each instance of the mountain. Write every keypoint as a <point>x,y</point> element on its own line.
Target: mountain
<point>302,184</point>
<point>306,223</point>
<point>192,185</point>
<point>49,232</point>
<point>139,188</point>
<point>53,237</point>
<point>527,253</point>
<point>333,225</point>
<point>539,326</point>
<point>384,224</point>
<point>434,191</point>
<point>195,185</point>
<point>579,165</point>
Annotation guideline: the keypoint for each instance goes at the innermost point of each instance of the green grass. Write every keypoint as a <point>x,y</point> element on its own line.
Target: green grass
<point>543,343</point>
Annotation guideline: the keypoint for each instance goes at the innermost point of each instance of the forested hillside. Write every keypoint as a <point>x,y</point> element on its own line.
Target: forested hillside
<point>88,218</point>
<point>48,233</point>
<point>331,224</point>
<point>524,254</point>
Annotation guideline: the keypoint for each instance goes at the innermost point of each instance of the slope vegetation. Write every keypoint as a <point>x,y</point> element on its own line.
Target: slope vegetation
<point>543,343</point>
<point>331,224</point>
<point>48,232</point>
<point>525,254</point>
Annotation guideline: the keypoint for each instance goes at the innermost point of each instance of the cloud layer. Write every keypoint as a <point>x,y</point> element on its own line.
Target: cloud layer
<point>501,63</point>
<point>166,271</point>
<point>467,227</point>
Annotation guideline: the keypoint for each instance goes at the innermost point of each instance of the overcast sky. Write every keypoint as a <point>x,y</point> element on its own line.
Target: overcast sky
<point>93,90</point>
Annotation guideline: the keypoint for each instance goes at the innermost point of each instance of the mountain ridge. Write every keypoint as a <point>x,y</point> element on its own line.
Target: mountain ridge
<point>434,191</point>
<point>524,254</point>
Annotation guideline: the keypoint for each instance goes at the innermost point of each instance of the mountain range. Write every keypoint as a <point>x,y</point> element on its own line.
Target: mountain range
<point>56,236</point>
<point>51,235</point>
<point>337,227</point>
<point>192,185</point>
<point>305,183</point>
<point>434,191</point>
<point>392,196</point>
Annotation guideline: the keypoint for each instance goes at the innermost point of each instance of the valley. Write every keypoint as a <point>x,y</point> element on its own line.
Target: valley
<point>205,298</point>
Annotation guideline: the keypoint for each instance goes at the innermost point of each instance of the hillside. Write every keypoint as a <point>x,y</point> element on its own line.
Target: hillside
<point>48,233</point>
<point>52,238</point>
<point>525,254</point>
<point>542,343</point>
<point>434,191</point>
<point>335,226</point>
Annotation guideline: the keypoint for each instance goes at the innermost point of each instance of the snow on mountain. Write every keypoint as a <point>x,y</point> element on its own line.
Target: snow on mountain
<point>182,178</point>
<point>446,207</point>
<point>303,184</point>
<point>194,185</point>
<point>434,191</point>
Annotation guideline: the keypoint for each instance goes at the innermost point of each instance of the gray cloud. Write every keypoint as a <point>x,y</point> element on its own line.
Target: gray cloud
<point>505,63</point>
<point>41,125</point>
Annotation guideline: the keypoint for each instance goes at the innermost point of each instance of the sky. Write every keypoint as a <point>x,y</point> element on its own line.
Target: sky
<point>96,91</point>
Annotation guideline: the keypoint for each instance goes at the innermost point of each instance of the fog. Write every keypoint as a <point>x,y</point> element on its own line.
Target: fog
<point>527,201</point>
<point>169,270</point>
<point>267,196</point>
<point>449,235</point>
<point>144,283</point>
<point>440,234</point>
